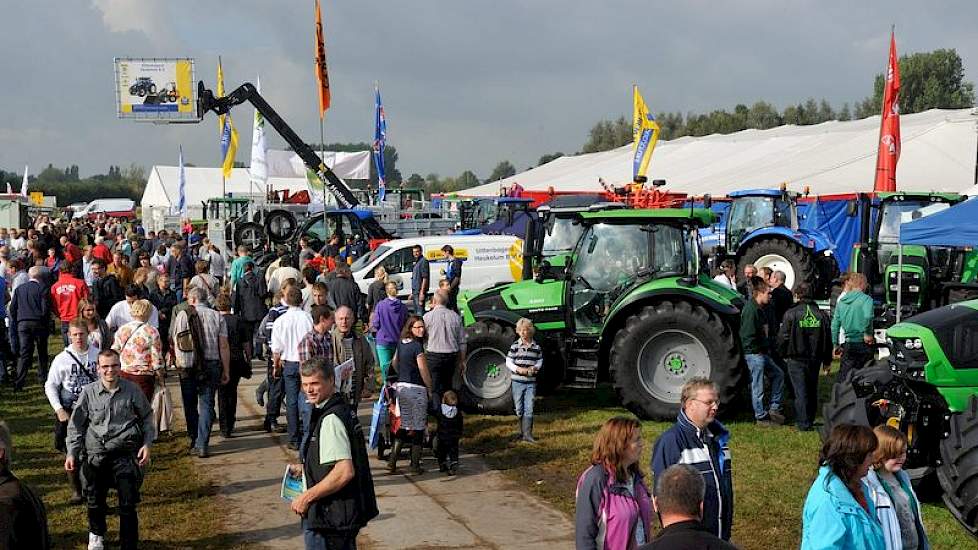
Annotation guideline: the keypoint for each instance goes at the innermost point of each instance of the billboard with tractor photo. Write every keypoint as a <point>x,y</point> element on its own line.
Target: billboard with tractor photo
<point>157,89</point>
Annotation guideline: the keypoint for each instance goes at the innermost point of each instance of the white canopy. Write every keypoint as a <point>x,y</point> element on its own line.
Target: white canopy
<point>285,169</point>
<point>938,154</point>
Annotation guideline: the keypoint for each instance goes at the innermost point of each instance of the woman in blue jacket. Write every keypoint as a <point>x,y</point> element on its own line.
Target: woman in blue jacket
<point>839,511</point>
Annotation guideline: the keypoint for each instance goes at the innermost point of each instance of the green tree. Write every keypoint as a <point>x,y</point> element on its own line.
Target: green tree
<point>607,135</point>
<point>762,115</point>
<point>928,80</point>
<point>502,170</point>
<point>467,179</point>
<point>414,181</point>
<point>549,157</point>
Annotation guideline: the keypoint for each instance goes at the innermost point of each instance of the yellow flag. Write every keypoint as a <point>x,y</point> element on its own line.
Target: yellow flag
<point>229,136</point>
<point>645,134</point>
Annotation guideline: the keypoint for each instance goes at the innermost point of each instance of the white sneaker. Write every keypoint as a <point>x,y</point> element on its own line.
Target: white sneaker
<point>95,542</point>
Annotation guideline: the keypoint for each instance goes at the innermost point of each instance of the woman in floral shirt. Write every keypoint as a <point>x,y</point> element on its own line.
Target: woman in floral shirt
<point>140,349</point>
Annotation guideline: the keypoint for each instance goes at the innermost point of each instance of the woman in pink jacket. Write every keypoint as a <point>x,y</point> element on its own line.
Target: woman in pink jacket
<point>613,502</point>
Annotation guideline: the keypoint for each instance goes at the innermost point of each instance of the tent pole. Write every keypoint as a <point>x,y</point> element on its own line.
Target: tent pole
<point>899,281</point>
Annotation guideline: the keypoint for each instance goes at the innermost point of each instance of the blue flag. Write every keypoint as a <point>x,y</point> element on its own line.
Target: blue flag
<point>182,197</point>
<point>380,140</point>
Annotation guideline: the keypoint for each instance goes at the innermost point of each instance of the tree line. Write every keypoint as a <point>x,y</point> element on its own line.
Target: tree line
<point>928,80</point>
<point>68,187</point>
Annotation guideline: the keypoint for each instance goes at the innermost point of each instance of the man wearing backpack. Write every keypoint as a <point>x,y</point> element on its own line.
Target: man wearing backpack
<point>805,343</point>
<point>204,362</point>
<point>248,300</point>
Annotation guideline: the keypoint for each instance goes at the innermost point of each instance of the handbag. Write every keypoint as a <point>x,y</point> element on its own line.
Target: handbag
<point>162,409</point>
<point>378,419</point>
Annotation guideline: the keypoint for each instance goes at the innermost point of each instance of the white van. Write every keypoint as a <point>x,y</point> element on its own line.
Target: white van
<point>113,208</point>
<point>486,261</point>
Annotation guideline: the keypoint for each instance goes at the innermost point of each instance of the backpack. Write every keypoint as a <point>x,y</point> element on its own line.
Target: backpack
<point>192,339</point>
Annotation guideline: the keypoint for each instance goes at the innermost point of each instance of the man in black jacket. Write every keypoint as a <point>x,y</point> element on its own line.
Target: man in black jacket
<point>678,501</point>
<point>340,498</point>
<point>23,519</point>
<point>30,311</point>
<point>106,290</point>
<point>343,291</point>
<point>248,302</point>
<point>805,342</point>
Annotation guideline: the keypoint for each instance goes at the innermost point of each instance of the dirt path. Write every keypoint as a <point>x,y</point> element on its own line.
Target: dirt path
<point>478,509</point>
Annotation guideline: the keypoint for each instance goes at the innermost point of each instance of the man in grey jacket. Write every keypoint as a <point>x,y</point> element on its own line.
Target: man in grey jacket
<point>109,435</point>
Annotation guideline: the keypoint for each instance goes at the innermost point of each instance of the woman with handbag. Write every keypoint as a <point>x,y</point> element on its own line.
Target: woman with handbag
<point>140,349</point>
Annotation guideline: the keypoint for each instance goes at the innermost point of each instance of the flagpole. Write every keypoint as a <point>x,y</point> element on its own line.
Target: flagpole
<point>224,184</point>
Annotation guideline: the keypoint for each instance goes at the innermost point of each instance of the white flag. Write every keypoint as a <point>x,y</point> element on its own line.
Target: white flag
<point>23,185</point>
<point>182,190</point>
<point>259,163</point>
<point>9,190</point>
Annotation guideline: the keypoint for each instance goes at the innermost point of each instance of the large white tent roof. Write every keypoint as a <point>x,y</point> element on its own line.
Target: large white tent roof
<point>938,154</point>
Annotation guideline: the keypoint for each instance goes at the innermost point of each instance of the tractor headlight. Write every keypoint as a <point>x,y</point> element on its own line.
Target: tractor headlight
<point>913,343</point>
<point>914,288</point>
<point>827,252</point>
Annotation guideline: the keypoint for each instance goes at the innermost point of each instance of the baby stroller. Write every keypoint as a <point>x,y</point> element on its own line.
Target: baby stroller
<point>405,408</point>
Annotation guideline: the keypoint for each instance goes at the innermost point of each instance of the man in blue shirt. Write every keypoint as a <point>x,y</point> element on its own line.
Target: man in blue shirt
<point>420,280</point>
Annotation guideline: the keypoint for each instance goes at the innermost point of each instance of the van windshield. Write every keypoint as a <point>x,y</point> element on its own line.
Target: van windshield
<point>364,261</point>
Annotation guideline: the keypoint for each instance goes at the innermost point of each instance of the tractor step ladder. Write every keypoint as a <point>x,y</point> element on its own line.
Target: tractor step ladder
<point>582,372</point>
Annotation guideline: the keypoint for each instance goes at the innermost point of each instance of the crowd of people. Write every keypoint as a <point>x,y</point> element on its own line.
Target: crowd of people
<point>137,308</point>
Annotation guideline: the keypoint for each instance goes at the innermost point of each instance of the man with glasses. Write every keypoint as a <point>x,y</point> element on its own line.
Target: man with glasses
<point>699,440</point>
<point>109,435</point>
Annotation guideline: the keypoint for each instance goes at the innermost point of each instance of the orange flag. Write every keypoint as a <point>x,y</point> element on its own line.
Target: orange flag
<point>889,145</point>
<point>322,76</point>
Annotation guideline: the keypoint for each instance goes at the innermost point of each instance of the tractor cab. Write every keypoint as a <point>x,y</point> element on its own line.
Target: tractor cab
<point>359,223</point>
<point>229,209</point>
<point>621,249</point>
<point>755,209</point>
<point>557,230</point>
<point>877,255</point>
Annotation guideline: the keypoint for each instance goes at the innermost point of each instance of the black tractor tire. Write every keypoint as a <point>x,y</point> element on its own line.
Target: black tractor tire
<point>485,384</point>
<point>250,234</point>
<point>280,226</point>
<point>801,261</point>
<point>696,342</point>
<point>172,96</point>
<point>958,472</point>
<point>845,407</point>
<point>152,89</point>
<point>141,91</point>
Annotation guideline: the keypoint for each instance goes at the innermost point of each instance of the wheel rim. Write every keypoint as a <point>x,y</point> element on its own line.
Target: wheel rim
<point>670,359</point>
<point>777,262</point>
<point>486,374</point>
<point>251,237</point>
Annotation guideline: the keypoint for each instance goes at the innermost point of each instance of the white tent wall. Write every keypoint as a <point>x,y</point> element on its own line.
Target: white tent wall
<point>938,153</point>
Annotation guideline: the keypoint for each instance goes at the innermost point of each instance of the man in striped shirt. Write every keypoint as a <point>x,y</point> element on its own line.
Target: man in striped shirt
<point>524,361</point>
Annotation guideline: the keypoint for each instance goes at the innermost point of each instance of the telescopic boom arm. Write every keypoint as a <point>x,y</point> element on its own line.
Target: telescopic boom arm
<point>247,92</point>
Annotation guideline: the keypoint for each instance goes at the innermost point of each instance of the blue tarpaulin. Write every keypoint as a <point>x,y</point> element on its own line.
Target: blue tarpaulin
<point>831,218</point>
<point>955,226</point>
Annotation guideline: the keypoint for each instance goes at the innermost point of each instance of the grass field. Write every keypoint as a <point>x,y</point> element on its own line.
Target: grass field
<point>772,467</point>
<point>176,509</point>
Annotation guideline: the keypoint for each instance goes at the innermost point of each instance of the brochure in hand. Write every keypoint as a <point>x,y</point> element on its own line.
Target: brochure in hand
<point>292,486</point>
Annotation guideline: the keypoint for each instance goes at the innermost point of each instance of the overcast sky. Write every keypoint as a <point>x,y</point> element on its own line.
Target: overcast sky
<point>465,83</point>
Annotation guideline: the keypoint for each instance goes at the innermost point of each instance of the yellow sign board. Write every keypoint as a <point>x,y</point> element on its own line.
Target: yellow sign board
<point>37,197</point>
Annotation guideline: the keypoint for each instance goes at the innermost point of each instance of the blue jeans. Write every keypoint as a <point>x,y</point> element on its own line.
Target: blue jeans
<point>316,539</point>
<point>759,365</point>
<point>198,403</point>
<point>297,409</point>
<point>523,394</point>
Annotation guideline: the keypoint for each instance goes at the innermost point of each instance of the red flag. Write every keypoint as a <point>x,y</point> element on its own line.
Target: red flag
<point>889,145</point>
<point>322,77</point>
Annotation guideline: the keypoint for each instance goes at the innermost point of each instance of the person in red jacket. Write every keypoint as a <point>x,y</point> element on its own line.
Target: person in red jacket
<point>70,250</point>
<point>66,292</point>
<point>101,251</point>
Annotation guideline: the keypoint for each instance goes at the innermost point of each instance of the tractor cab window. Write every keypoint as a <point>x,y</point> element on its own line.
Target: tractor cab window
<point>562,236</point>
<point>668,250</point>
<point>899,212</point>
<point>321,230</point>
<point>751,213</point>
<point>607,256</point>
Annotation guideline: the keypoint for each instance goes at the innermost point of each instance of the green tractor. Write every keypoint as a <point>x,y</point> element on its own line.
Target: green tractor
<point>928,389</point>
<point>877,254</point>
<point>631,303</point>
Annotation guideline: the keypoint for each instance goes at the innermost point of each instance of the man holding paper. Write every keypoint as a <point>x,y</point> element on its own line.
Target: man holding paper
<point>339,499</point>
<point>347,344</point>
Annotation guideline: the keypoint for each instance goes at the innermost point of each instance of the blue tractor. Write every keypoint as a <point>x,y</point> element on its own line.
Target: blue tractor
<point>761,227</point>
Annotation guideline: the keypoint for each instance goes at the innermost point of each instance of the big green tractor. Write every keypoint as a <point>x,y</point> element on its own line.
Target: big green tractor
<point>928,389</point>
<point>877,254</point>
<point>631,303</point>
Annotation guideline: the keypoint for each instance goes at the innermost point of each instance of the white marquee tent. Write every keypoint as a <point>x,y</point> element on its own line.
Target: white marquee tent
<point>286,171</point>
<point>938,154</point>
